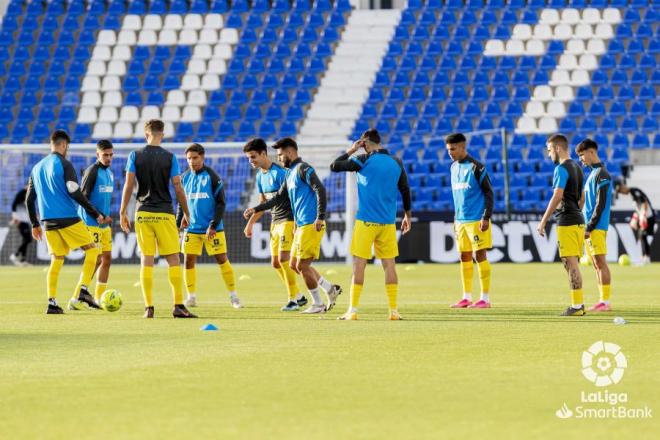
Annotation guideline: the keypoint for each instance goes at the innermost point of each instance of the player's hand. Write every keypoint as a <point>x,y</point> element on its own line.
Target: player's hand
<point>484,225</point>
<point>587,234</point>
<point>37,233</point>
<point>210,233</point>
<point>124,223</point>
<point>541,229</point>
<point>248,231</point>
<point>318,225</point>
<point>184,222</point>
<point>248,213</point>
<point>406,224</point>
<point>355,147</point>
<point>643,223</point>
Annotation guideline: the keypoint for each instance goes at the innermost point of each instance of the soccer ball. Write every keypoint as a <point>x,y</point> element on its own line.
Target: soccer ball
<point>585,260</point>
<point>624,260</point>
<point>111,300</point>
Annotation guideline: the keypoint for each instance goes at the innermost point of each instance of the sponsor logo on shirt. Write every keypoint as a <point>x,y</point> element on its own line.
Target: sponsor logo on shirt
<point>460,186</point>
<point>198,195</point>
<point>105,188</point>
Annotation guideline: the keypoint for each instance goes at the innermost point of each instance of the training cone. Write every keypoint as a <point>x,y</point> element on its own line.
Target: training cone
<point>209,328</point>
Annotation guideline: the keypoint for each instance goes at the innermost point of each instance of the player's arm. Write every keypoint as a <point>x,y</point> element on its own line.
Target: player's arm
<point>489,198</point>
<point>71,181</point>
<point>308,175</point>
<point>220,204</point>
<point>348,163</point>
<point>404,189</point>
<point>89,180</point>
<point>583,199</point>
<point>30,205</point>
<point>129,184</point>
<point>558,183</point>
<point>254,218</point>
<point>602,188</point>
<point>181,200</point>
<point>269,204</point>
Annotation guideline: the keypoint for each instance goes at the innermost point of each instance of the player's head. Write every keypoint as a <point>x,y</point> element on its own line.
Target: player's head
<point>256,152</point>
<point>287,151</point>
<point>370,140</point>
<point>587,151</point>
<point>59,142</point>
<point>104,152</point>
<point>154,131</point>
<point>456,147</point>
<point>557,147</point>
<point>195,157</point>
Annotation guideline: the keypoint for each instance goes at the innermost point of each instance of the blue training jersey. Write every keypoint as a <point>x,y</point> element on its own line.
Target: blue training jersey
<point>471,190</point>
<point>379,179</point>
<point>98,183</point>
<point>268,184</point>
<point>206,200</point>
<point>304,204</point>
<point>597,198</point>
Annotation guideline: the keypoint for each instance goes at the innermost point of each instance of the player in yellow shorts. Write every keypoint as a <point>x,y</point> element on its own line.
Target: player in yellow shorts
<point>206,198</point>
<point>53,186</point>
<point>380,177</point>
<point>269,179</point>
<point>565,205</point>
<point>473,205</point>
<point>154,168</point>
<point>597,201</point>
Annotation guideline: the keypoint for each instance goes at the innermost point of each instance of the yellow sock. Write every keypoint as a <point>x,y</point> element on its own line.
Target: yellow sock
<point>147,283</point>
<point>88,267</point>
<point>484,275</point>
<point>53,276</point>
<point>291,281</point>
<point>282,275</point>
<point>467,270</point>
<point>576,298</point>
<point>356,291</point>
<point>100,288</point>
<point>191,280</point>
<point>227,273</point>
<point>392,292</point>
<point>604,290</point>
<point>175,275</point>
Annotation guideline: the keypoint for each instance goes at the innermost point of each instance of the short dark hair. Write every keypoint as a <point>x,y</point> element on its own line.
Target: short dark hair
<point>60,135</point>
<point>195,148</point>
<point>587,144</point>
<point>154,126</point>
<point>285,143</point>
<point>104,144</point>
<point>558,139</point>
<point>371,135</point>
<point>455,138</point>
<point>256,144</point>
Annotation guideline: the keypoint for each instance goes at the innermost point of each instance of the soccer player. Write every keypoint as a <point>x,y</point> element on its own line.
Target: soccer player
<point>21,219</point>
<point>97,185</point>
<point>154,168</point>
<point>308,201</point>
<point>380,178</point>
<point>565,203</point>
<point>206,196</point>
<point>53,185</point>
<point>270,177</point>
<point>473,207</point>
<point>597,200</point>
<point>643,220</point>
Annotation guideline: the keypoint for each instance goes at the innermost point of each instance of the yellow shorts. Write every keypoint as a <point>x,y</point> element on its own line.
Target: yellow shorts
<point>470,238</point>
<point>61,241</point>
<point>307,242</point>
<point>571,240</point>
<point>102,237</point>
<point>192,244</point>
<point>281,237</point>
<point>380,236</point>
<point>156,231</point>
<point>597,243</point>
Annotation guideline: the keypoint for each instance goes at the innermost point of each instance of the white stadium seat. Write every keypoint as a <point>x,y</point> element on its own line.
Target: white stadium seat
<point>176,98</point>
<point>90,84</point>
<point>534,47</point>
<point>203,52</point>
<point>122,52</point>
<point>584,31</point>
<point>575,47</point>
<point>563,32</point>
<point>560,78</point>
<point>547,125</point>
<point>564,94</point>
<point>210,82</point>
<point>132,23</point>
<point>515,47</point>
<point>580,78</point>
<point>222,51</point>
<point>543,32</point>
<point>152,22</point>
<point>542,93</point>
<point>123,130</point>
<point>147,38</point>
<point>150,112</point>
<point>214,21</point>
<point>197,97</point>
<point>112,99</point>
<point>108,114</point>
<point>588,62</point>
<point>173,22</point>
<point>106,37</point>
<point>188,37</point>
<point>570,16</point>
<point>167,38</point>
<point>535,109</point>
<point>196,66</point>
<point>604,31</point>
<point>556,109</point>
<point>494,48</point>
<point>101,53</point>
<point>87,115</point>
<point>127,37</point>
<point>612,16</point>
<point>591,15</point>
<point>229,36</point>
<point>96,68</point>
<point>526,125</point>
<point>111,83</point>
<point>91,99</point>
<point>522,32</point>
<point>596,46</point>
<point>169,130</point>
<point>567,62</point>
<point>208,36</point>
<point>116,67</point>
<point>217,66</point>
<point>191,114</point>
<point>193,21</point>
<point>129,113</point>
<point>171,114</point>
<point>190,82</point>
<point>102,130</point>
<point>549,16</point>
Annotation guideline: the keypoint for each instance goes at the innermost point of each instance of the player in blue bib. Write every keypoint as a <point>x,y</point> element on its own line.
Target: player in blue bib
<point>206,201</point>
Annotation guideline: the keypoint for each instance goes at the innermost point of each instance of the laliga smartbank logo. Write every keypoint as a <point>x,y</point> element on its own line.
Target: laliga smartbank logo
<point>603,365</point>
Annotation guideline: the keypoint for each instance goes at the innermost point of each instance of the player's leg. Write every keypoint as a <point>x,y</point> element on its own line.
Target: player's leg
<point>646,235</point>
<point>483,267</point>
<point>175,277</point>
<point>229,278</point>
<point>103,264</point>
<point>597,251</point>
<point>304,267</point>
<point>391,288</point>
<point>357,282</point>
<point>386,248</point>
<point>78,236</point>
<point>190,279</point>
<point>26,238</point>
<point>52,277</point>
<point>296,299</point>
<point>571,245</point>
<point>464,245</point>
<point>146,240</point>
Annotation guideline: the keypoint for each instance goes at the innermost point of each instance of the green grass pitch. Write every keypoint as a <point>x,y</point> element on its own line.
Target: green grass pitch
<point>441,373</point>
